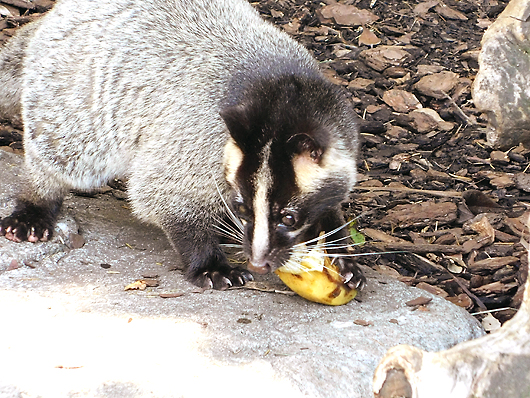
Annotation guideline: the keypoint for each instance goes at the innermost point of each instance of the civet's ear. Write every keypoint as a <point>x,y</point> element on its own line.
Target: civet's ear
<point>237,121</point>
<point>306,146</point>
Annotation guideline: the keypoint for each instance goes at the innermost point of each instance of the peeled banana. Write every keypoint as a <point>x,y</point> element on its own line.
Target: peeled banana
<point>316,278</point>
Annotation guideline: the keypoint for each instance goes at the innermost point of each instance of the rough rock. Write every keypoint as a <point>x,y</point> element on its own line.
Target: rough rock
<point>493,366</point>
<point>522,181</point>
<point>68,323</point>
<point>502,86</point>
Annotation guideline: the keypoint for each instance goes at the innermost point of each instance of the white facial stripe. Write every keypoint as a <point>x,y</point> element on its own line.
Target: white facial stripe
<point>233,156</point>
<point>263,182</point>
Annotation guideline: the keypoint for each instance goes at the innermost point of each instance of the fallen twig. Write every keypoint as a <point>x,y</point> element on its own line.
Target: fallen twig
<point>444,194</point>
<point>417,248</point>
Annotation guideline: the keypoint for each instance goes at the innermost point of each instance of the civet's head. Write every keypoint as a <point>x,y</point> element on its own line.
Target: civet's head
<point>290,159</point>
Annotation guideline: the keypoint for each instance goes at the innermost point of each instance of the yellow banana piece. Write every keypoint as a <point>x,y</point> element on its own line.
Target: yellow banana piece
<point>317,279</point>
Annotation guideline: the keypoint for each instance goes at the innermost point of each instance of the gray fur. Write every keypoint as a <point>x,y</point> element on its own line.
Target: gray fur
<point>11,59</point>
<point>133,88</point>
<point>111,89</point>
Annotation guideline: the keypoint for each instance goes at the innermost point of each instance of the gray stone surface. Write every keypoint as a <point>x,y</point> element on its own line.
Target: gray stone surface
<point>68,328</point>
<point>502,85</point>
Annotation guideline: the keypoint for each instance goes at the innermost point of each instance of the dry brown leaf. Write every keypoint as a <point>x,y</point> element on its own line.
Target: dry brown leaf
<point>368,38</point>
<point>138,285</point>
<point>171,295</point>
<point>424,7</point>
<point>348,15</point>
<point>482,226</point>
<point>450,13</point>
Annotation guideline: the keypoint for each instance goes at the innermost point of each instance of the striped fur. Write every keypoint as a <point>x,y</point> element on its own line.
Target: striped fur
<point>194,102</point>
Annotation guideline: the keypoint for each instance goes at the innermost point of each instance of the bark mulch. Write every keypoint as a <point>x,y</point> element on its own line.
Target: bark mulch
<point>452,211</point>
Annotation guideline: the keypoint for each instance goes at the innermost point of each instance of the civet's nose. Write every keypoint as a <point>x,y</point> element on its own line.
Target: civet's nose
<point>259,267</point>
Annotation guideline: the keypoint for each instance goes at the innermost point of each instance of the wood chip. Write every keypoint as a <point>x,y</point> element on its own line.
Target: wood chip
<point>401,100</point>
<point>362,322</point>
<point>449,13</point>
<point>368,38</point>
<point>447,239</point>
<point>348,15</point>
<point>462,300</point>
<point>150,282</point>
<point>437,85</point>
<point>422,214</point>
<point>383,57</point>
<point>412,248</point>
<point>426,120</point>
<point>518,226</point>
<point>482,226</point>
<point>499,157</point>
<point>492,264</point>
<point>9,11</point>
<point>490,323</point>
<point>378,235</point>
<point>20,4</point>
<point>432,289</point>
<point>419,301</point>
<point>360,84</point>
<point>495,288</point>
<point>423,8</point>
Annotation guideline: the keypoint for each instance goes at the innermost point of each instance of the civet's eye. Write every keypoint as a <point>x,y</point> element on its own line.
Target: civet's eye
<point>242,209</point>
<point>288,220</point>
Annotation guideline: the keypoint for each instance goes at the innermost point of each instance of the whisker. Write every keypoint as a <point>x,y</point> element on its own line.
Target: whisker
<point>374,253</point>
<point>335,242</point>
<point>331,270</point>
<point>228,230</point>
<point>292,265</point>
<point>225,226</point>
<point>338,239</point>
<point>334,255</point>
<point>327,233</point>
<point>231,246</point>
<point>231,214</point>
<point>229,233</point>
<point>335,247</point>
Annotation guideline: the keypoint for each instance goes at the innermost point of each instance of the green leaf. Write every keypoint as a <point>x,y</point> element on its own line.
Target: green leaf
<point>356,236</point>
